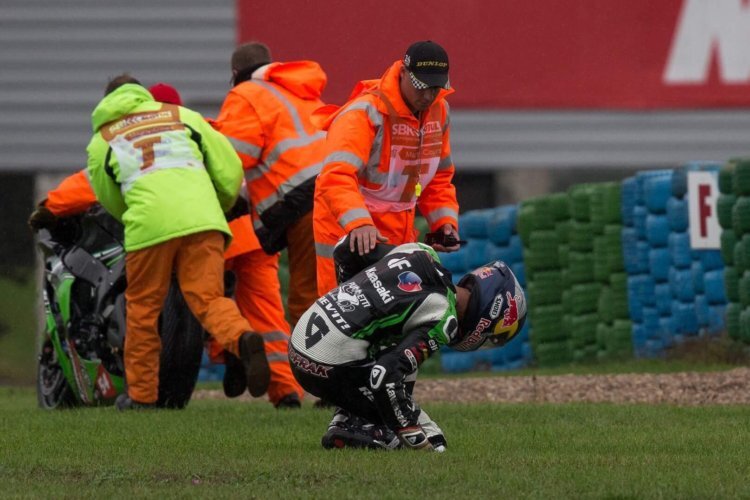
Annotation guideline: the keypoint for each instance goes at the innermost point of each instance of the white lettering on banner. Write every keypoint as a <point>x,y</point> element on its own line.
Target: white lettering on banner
<point>708,28</point>
<point>703,193</point>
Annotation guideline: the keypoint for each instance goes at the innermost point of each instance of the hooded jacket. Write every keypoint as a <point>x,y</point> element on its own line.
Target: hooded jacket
<point>159,168</point>
<point>382,158</point>
<point>267,120</point>
<point>73,196</point>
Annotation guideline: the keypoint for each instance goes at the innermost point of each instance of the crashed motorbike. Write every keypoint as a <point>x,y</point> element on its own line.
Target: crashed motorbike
<point>80,360</point>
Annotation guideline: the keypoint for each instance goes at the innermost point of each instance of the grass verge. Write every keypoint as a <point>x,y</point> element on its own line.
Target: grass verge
<point>229,449</point>
<point>18,330</point>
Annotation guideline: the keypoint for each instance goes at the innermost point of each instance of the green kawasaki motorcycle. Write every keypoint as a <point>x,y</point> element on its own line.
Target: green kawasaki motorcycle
<point>81,355</point>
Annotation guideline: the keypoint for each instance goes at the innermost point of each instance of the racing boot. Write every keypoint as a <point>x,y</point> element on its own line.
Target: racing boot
<point>349,431</point>
<point>255,363</point>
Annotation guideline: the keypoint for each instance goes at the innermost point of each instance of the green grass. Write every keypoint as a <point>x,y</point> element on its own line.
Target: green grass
<point>230,449</point>
<point>19,325</point>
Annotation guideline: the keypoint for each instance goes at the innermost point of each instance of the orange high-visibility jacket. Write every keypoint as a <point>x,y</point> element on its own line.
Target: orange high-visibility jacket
<point>381,159</point>
<point>267,119</point>
<point>75,195</point>
<point>243,238</point>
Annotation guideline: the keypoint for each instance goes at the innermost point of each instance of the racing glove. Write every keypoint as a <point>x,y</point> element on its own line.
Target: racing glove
<point>414,438</point>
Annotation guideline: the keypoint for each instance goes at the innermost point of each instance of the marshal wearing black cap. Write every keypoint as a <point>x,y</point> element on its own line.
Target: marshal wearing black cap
<point>427,63</point>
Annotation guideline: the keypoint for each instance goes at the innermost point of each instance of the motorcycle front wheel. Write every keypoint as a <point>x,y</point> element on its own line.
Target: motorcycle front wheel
<point>52,388</point>
<point>181,351</point>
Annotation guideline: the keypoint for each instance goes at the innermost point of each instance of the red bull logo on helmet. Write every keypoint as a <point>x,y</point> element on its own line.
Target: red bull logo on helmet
<point>478,335</point>
<point>483,272</point>
<point>511,312</point>
<point>509,323</point>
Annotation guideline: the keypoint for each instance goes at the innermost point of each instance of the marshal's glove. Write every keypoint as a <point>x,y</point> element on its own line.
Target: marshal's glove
<point>42,218</point>
<point>239,209</point>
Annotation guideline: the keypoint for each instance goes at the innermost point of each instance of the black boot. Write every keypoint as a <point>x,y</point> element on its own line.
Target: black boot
<point>255,362</point>
<point>289,402</point>
<point>349,431</point>
<point>123,403</point>
<point>234,381</point>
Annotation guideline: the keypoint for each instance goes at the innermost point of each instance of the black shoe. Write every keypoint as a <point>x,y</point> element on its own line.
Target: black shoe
<point>289,402</point>
<point>123,403</point>
<point>234,381</point>
<point>255,362</point>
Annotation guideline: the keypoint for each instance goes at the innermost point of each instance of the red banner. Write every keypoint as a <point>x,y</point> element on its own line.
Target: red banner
<point>513,54</point>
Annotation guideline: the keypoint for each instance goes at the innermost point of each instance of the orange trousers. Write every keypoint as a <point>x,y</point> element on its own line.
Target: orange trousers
<point>303,286</point>
<point>398,227</point>
<point>198,261</point>
<point>258,296</point>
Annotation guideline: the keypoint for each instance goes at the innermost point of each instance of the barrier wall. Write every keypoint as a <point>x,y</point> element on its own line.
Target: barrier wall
<point>673,291</point>
<point>610,273</point>
<point>608,269</point>
<point>492,235</point>
<point>734,217</point>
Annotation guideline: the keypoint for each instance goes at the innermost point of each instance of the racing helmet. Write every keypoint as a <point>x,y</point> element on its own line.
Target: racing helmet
<point>496,308</point>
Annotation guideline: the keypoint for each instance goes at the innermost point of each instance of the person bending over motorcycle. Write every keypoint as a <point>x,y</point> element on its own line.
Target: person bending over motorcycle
<point>257,298</point>
<point>359,346</point>
<point>169,177</point>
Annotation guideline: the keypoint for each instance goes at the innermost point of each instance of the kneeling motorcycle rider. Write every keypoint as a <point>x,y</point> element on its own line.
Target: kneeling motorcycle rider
<point>359,346</point>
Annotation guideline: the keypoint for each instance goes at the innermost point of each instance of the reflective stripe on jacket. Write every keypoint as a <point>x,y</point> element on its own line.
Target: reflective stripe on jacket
<point>378,152</point>
<point>160,169</point>
<point>267,120</point>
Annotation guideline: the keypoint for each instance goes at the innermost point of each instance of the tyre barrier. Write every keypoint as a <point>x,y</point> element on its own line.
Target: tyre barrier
<point>493,234</point>
<point>660,221</point>
<point>733,209</point>
<point>608,270</point>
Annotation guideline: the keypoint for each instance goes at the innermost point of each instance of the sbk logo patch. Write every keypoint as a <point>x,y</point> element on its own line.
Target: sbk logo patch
<point>376,376</point>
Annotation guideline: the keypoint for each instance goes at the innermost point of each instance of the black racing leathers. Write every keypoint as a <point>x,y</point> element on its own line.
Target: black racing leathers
<point>358,345</point>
